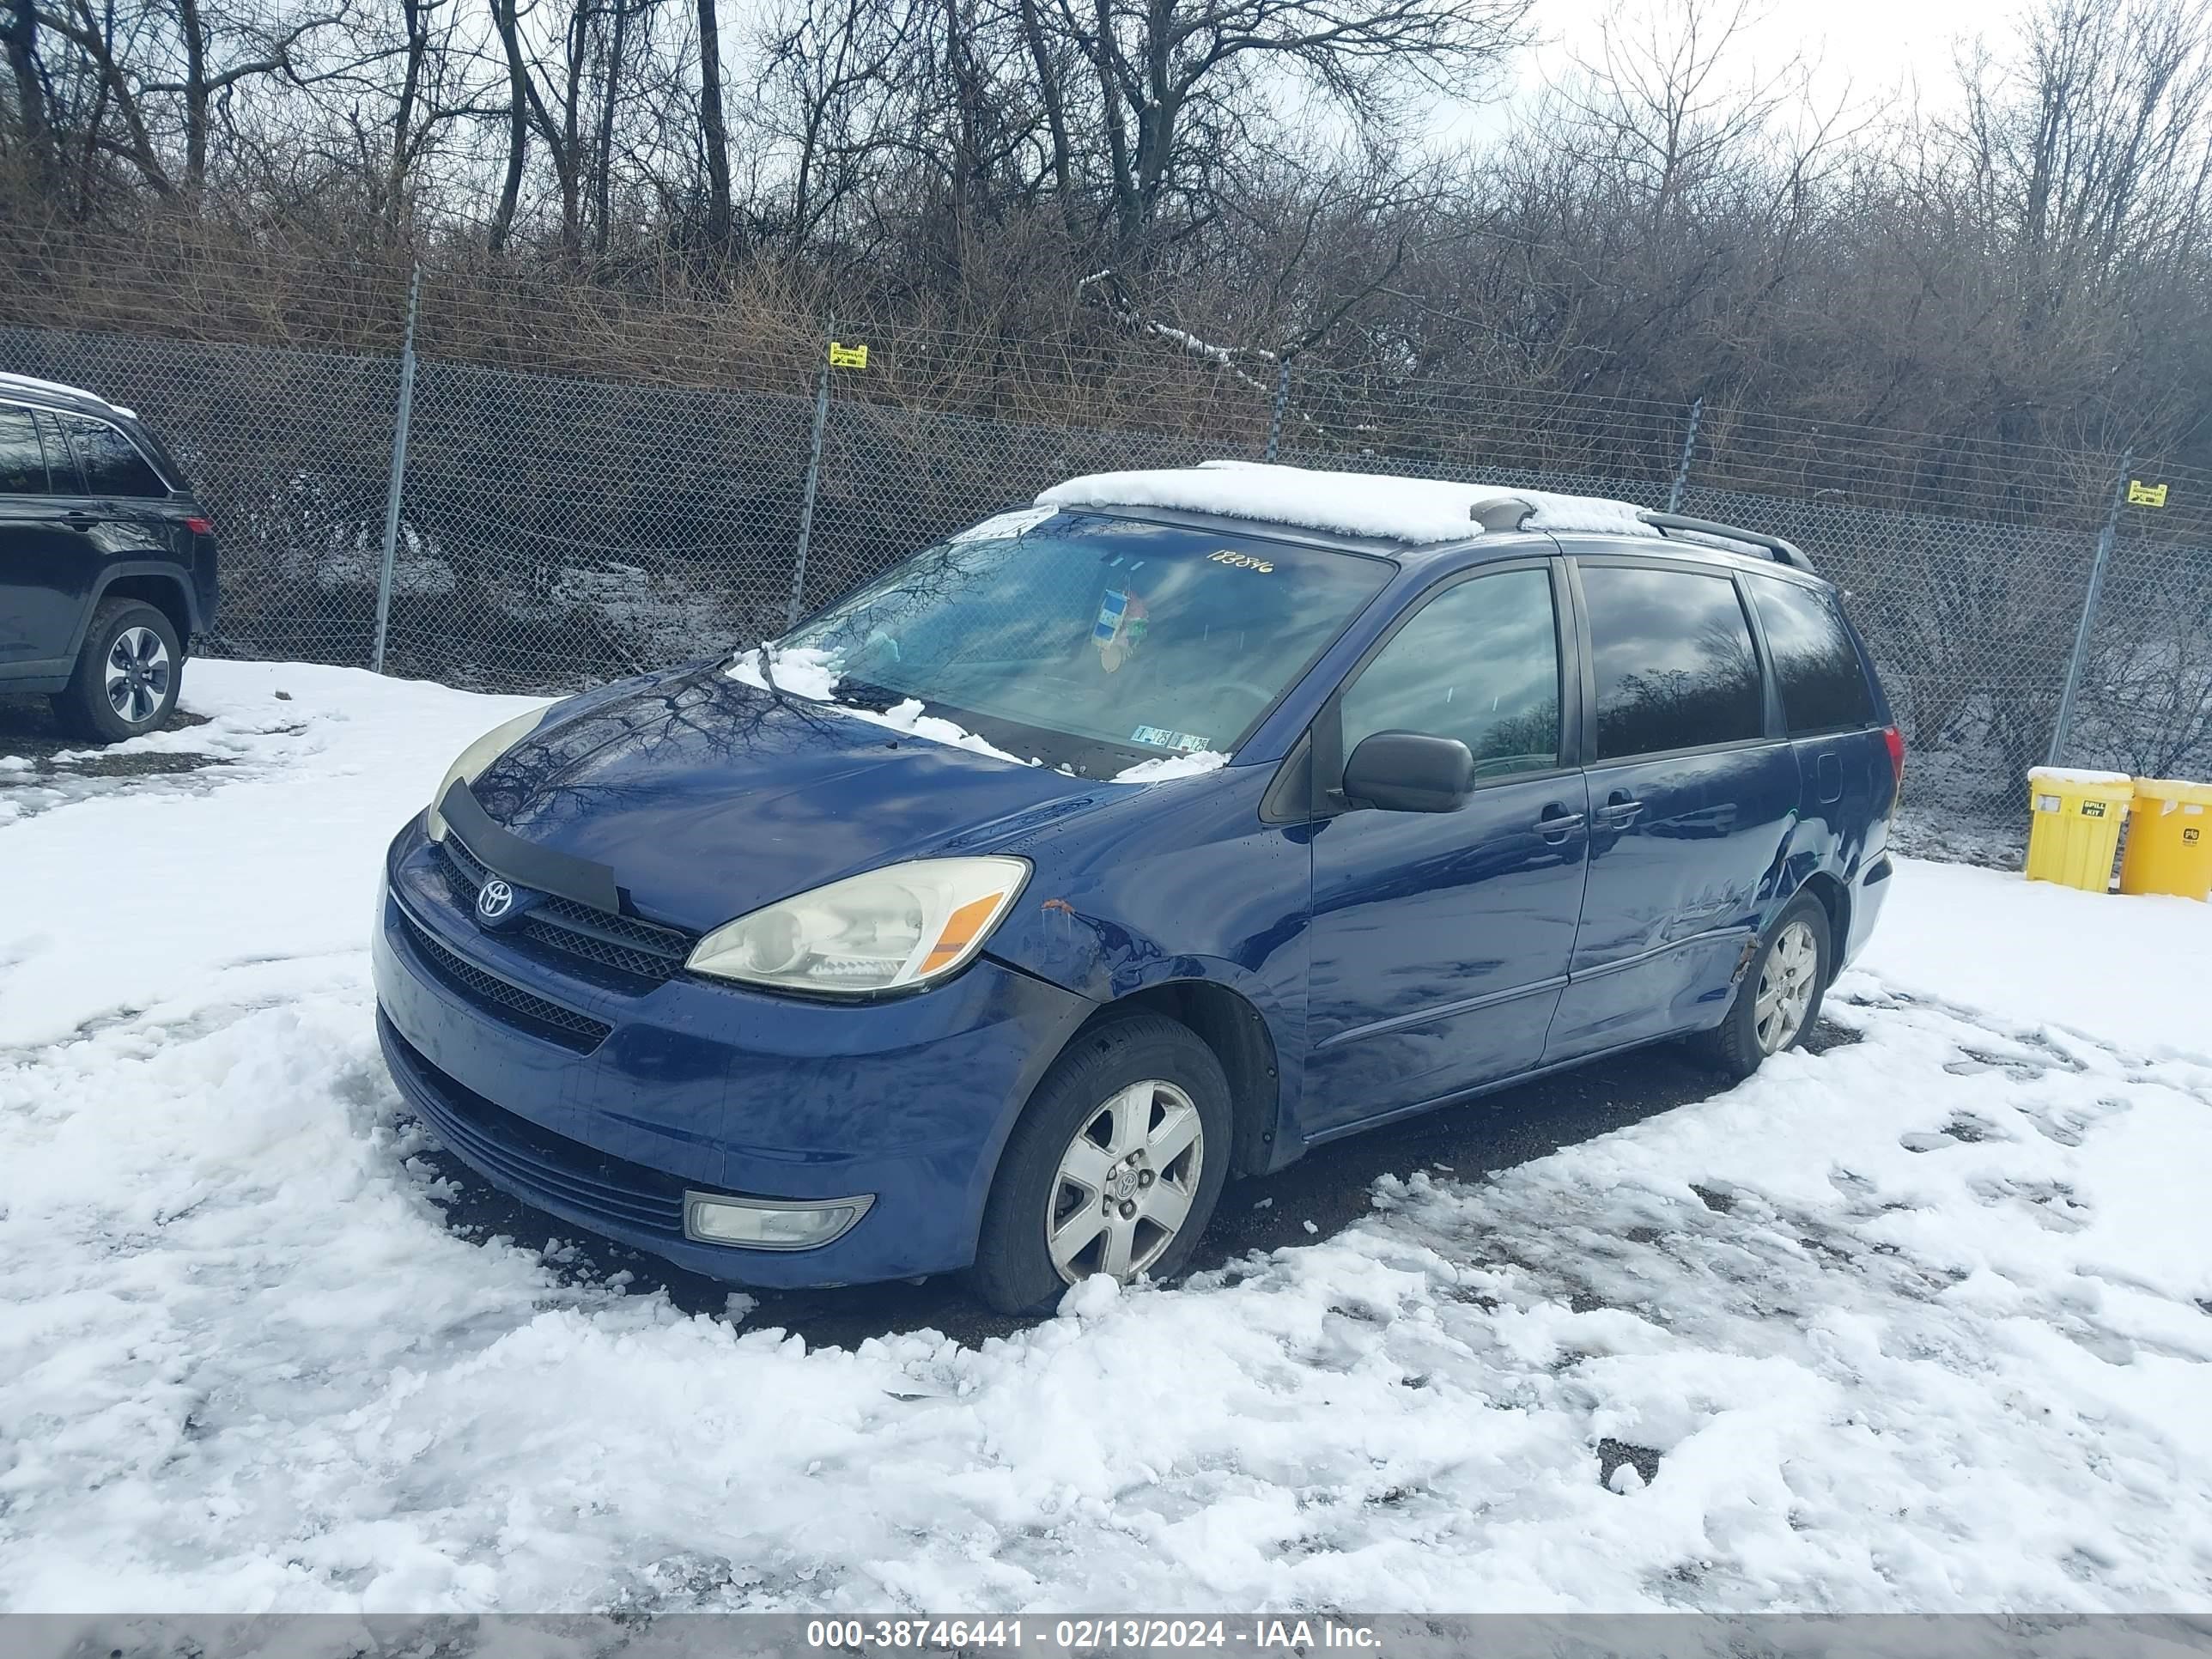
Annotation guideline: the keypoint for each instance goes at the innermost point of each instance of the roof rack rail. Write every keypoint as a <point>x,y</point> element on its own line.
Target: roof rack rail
<point>1787,553</point>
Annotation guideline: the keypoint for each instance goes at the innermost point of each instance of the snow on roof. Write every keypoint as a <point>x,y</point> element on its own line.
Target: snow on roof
<point>32,383</point>
<point>1345,503</point>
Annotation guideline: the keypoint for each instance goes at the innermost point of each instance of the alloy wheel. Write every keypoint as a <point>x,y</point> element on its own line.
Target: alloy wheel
<point>1126,1183</point>
<point>1786,984</point>
<point>138,675</point>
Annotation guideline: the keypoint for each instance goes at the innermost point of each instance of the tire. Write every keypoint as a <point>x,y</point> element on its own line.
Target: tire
<point>1142,1061</point>
<point>1744,1039</point>
<point>127,674</point>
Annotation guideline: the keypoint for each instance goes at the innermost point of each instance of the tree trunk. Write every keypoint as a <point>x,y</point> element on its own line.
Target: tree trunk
<point>604,184</point>
<point>567,144</point>
<point>21,22</point>
<point>714,132</point>
<point>196,99</point>
<point>417,16</point>
<point>504,20</point>
<point>1055,117</point>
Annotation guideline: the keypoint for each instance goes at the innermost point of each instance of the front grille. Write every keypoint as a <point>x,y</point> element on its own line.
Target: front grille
<point>531,1012</point>
<point>639,951</point>
<point>526,1159</point>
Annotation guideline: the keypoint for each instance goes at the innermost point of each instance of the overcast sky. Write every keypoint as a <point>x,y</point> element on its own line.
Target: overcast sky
<point>1882,49</point>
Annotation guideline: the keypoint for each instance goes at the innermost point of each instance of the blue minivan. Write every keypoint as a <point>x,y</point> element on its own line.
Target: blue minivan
<point>1163,830</point>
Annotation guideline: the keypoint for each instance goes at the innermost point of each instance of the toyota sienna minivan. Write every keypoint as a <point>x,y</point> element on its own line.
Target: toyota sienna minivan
<point>1161,831</point>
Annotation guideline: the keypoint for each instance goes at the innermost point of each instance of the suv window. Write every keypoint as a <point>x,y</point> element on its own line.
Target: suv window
<point>1815,665</point>
<point>22,463</point>
<point>61,465</point>
<point>1674,662</point>
<point>111,462</point>
<point>1479,662</point>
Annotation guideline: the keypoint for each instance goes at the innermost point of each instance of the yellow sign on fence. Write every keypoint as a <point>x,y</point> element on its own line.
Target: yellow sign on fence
<point>856,356</point>
<point>2139,493</point>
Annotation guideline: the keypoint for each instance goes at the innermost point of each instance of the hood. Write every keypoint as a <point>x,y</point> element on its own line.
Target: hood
<point>709,799</point>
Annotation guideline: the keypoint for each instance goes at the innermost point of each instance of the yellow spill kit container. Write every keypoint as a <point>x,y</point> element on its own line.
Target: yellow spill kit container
<point>2075,825</point>
<point>2169,839</point>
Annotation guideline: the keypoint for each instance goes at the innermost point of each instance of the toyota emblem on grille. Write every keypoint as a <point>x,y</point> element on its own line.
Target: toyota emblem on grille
<point>496,899</point>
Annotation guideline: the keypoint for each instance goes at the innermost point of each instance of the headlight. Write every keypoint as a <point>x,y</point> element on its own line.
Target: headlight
<point>477,757</point>
<point>908,924</point>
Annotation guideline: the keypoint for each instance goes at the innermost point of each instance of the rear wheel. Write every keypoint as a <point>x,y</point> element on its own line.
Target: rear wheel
<point>127,674</point>
<point>1778,1000</point>
<point>1114,1167</point>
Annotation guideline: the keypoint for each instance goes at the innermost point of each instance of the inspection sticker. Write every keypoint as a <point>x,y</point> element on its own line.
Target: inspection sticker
<point>1160,737</point>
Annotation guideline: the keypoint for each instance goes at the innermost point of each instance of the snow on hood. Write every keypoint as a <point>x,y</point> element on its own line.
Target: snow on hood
<point>907,717</point>
<point>1172,766</point>
<point>1345,503</point>
<point>806,671</point>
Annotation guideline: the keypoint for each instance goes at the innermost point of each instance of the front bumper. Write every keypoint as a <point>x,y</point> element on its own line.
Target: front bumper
<point>707,1088</point>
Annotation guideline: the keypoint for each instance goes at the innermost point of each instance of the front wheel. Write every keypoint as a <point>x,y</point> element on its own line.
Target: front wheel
<point>1114,1167</point>
<point>127,674</point>
<point>1778,1000</point>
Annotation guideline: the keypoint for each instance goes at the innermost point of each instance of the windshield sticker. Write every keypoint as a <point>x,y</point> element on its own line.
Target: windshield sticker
<point>1120,628</point>
<point>1242,562</point>
<point>1158,737</point>
<point>1005,526</point>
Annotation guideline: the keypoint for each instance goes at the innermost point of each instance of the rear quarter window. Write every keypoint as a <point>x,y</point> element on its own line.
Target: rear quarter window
<point>111,462</point>
<point>1816,667</point>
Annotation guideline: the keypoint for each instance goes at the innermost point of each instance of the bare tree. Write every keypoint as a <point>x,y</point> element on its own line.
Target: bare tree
<point>1157,64</point>
<point>713,126</point>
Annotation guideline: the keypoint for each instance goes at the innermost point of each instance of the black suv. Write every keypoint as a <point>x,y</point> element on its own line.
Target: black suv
<point>108,565</point>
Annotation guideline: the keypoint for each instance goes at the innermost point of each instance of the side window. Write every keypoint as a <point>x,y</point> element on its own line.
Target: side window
<point>112,463</point>
<point>22,463</point>
<point>1674,660</point>
<point>1479,662</point>
<point>61,462</point>
<point>1823,685</point>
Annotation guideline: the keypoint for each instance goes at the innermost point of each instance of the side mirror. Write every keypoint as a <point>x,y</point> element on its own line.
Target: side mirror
<point>1408,771</point>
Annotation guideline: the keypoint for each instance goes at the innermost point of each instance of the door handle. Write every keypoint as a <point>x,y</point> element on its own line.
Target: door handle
<point>1555,824</point>
<point>80,521</point>
<point>1620,810</point>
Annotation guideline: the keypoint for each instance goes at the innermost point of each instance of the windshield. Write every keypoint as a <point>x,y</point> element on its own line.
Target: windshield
<point>1126,640</point>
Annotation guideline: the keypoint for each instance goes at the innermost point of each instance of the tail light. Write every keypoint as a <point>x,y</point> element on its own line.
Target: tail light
<point>1895,739</point>
<point>200,526</point>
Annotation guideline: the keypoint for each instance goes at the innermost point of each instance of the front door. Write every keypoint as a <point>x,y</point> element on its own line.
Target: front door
<point>1440,940</point>
<point>1694,794</point>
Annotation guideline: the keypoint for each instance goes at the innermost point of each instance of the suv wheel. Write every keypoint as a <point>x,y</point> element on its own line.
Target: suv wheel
<point>1114,1167</point>
<point>1778,1000</point>
<point>127,674</point>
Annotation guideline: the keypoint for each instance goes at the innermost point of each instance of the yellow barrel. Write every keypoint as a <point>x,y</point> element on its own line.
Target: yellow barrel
<point>2074,826</point>
<point>2169,839</point>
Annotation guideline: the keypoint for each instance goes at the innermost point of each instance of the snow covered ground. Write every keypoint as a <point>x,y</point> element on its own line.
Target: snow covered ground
<point>1923,1322</point>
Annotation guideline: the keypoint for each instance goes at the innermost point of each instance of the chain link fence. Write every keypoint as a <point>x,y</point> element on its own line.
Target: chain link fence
<point>557,529</point>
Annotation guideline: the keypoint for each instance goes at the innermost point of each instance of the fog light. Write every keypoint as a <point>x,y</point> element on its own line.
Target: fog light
<point>767,1224</point>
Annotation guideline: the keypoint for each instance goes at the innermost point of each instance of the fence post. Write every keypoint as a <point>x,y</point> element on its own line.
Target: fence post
<point>1689,448</point>
<point>399,482</point>
<point>813,479</point>
<point>2105,537</point>
<point>1275,415</point>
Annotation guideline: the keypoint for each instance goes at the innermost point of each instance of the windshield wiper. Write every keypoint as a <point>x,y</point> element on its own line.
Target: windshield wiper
<point>762,659</point>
